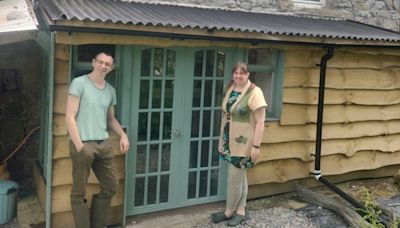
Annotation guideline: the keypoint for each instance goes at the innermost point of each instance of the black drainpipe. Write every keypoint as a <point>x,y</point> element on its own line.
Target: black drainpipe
<point>317,170</point>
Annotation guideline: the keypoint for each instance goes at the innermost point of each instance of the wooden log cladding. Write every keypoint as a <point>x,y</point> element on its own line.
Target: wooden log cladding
<point>304,150</point>
<point>306,114</point>
<point>290,169</point>
<point>62,52</point>
<point>309,58</point>
<point>40,186</point>
<point>59,125</point>
<point>333,96</point>
<point>343,59</point>
<point>272,188</point>
<point>61,196</point>
<point>339,78</point>
<point>61,69</point>
<point>62,171</point>
<point>60,98</point>
<point>275,133</point>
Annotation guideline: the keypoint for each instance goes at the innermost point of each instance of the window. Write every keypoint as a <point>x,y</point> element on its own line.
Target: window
<point>82,62</point>
<point>266,71</point>
<point>309,3</point>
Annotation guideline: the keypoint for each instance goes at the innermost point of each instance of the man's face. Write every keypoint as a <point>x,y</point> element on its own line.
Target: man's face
<point>103,64</point>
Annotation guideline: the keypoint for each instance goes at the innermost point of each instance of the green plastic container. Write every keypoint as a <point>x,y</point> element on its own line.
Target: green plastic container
<point>8,190</point>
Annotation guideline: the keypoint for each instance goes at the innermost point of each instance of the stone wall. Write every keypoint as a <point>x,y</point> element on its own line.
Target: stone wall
<point>382,13</point>
<point>21,88</point>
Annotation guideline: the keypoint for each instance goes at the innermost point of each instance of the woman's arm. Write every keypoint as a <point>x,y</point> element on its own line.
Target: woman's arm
<point>259,116</point>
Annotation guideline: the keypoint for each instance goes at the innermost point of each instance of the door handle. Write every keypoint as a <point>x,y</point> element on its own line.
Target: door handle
<point>177,133</point>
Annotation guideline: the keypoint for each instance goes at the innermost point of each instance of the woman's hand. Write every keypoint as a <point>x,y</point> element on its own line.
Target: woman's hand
<point>221,146</point>
<point>255,153</point>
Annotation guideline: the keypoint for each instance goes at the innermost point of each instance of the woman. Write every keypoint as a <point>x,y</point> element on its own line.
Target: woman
<point>242,127</point>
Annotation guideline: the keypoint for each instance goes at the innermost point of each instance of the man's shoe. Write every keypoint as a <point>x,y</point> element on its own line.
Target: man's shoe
<point>219,217</point>
<point>237,219</point>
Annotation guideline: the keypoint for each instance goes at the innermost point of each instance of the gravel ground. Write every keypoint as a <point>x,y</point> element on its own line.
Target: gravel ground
<point>275,217</point>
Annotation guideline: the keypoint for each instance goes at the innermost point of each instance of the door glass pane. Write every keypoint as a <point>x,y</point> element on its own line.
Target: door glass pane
<point>167,129</point>
<point>195,123</point>
<point>208,93</point>
<point>164,188</point>
<point>144,94</point>
<point>217,122</point>
<point>204,153</point>
<point>156,98</point>
<point>214,182</point>
<point>158,61</point>
<point>152,190</point>
<point>196,93</point>
<point>141,159</point>
<point>169,94</point>
<point>139,191</point>
<point>210,63</point>
<point>220,64</point>
<point>142,127</point>
<point>192,185</point>
<point>214,153</point>
<point>193,154</point>
<point>170,63</point>
<point>155,125</point>
<point>219,87</point>
<point>206,123</point>
<point>198,64</point>
<point>165,157</point>
<point>203,183</point>
<point>153,158</point>
<point>145,63</point>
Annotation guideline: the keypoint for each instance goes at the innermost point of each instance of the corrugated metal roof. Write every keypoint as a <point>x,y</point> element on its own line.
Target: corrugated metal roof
<point>15,17</point>
<point>117,11</point>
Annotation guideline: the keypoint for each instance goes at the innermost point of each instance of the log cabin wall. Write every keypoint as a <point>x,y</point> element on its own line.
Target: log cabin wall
<point>361,125</point>
<point>361,120</point>
<point>62,164</point>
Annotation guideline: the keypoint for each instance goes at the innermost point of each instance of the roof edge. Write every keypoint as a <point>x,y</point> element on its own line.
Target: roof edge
<point>219,36</point>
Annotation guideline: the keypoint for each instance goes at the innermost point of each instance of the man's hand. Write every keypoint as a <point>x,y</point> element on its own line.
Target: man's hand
<point>79,147</point>
<point>124,144</point>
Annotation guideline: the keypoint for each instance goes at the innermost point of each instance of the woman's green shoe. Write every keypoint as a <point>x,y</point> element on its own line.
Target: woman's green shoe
<point>219,217</point>
<point>237,219</point>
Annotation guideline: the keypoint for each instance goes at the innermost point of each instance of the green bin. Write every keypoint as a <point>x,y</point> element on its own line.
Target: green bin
<point>8,190</point>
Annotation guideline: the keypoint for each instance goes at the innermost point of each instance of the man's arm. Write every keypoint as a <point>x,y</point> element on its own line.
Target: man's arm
<point>113,124</point>
<point>70,119</point>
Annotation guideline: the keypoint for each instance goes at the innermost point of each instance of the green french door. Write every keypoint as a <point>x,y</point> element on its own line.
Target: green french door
<point>176,95</point>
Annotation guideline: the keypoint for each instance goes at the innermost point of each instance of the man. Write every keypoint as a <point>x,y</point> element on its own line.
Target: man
<point>90,111</point>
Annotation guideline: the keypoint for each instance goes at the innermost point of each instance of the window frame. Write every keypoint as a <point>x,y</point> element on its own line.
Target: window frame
<point>277,70</point>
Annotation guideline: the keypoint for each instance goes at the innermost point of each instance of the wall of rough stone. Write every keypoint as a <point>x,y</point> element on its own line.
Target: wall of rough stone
<point>21,88</point>
<point>382,13</point>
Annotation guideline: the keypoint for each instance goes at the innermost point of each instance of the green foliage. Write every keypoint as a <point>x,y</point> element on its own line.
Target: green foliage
<point>371,210</point>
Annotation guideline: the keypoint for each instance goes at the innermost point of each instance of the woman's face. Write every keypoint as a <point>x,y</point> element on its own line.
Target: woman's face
<point>240,77</point>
